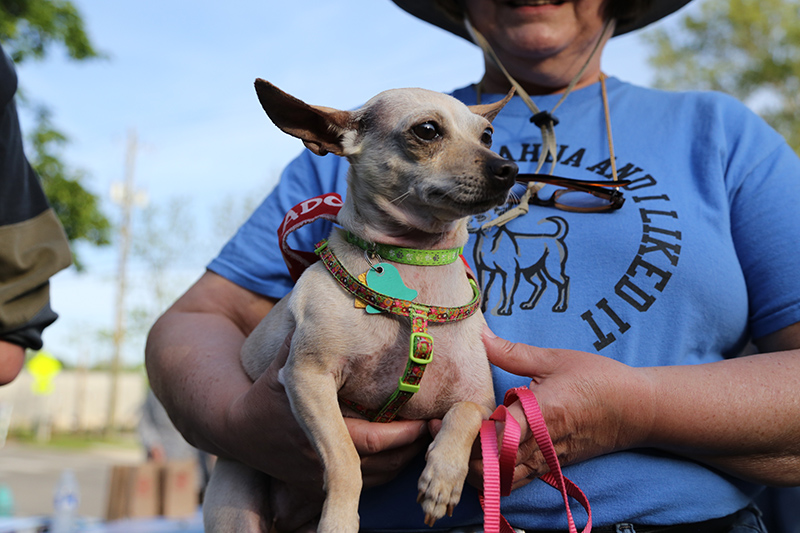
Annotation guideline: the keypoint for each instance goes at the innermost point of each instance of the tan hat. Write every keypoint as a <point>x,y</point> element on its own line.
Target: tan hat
<point>427,11</point>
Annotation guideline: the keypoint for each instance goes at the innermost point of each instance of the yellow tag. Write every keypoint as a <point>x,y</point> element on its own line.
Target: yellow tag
<point>360,304</point>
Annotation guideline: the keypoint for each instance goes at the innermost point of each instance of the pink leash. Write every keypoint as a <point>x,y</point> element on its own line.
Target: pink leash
<point>498,464</point>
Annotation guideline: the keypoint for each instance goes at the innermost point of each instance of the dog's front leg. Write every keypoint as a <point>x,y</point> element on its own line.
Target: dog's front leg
<point>442,481</point>
<point>313,393</point>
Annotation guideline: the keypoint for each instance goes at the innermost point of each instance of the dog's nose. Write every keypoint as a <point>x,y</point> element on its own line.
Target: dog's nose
<point>504,171</point>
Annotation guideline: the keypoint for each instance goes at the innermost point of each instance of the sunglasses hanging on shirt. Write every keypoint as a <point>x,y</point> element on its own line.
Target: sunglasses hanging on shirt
<point>578,196</point>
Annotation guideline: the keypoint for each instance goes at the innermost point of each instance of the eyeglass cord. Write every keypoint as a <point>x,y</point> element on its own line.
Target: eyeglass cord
<point>544,119</point>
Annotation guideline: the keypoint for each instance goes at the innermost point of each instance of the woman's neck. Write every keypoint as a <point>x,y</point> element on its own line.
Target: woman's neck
<point>538,81</point>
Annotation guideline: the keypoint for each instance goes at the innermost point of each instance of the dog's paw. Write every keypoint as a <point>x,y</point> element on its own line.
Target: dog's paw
<point>440,486</point>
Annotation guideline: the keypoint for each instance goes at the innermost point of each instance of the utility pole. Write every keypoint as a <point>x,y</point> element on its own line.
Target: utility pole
<point>124,196</point>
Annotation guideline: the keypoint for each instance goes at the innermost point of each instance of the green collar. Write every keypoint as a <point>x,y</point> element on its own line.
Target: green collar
<point>407,256</point>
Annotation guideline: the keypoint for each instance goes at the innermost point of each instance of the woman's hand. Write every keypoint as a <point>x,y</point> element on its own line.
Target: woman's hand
<point>736,415</point>
<point>387,448</point>
<point>12,357</point>
<point>592,405</point>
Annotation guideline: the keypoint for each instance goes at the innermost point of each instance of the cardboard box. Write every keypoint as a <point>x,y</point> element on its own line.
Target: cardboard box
<point>179,489</point>
<point>133,492</point>
<point>151,489</point>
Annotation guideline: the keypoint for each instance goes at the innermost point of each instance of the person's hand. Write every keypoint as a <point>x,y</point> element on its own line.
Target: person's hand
<point>272,441</point>
<point>12,357</point>
<point>592,405</point>
<point>386,448</point>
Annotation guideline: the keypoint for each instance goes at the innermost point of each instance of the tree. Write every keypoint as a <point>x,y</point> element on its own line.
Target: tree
<point>747,48</point>
<point>164,241</point>
<point>28,29</point>
<point>77,208</point>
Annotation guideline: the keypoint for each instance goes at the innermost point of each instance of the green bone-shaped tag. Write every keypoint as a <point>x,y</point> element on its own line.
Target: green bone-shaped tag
<point>385,279</point>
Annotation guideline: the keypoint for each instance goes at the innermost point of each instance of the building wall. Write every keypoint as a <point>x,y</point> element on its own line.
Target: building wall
<point>79,401</point>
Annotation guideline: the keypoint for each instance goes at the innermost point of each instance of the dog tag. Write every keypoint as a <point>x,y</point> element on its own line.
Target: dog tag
<point>385,279</point>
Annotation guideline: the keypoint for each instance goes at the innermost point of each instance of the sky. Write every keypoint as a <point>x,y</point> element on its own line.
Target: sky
<point>179,75</point>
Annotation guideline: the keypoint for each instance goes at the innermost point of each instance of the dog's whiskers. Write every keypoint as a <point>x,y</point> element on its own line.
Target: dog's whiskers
<point>401,197</point>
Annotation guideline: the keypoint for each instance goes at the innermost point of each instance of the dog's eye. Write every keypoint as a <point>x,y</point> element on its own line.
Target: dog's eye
<point>486,137</point>
<point>427,131</point>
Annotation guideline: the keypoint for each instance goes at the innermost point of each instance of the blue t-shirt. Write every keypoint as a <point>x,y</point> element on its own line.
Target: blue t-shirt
<point>699,260</point>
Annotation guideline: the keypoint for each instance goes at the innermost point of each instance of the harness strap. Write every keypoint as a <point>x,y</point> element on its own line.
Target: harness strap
<point>420,351</point>
<point>499,464</point>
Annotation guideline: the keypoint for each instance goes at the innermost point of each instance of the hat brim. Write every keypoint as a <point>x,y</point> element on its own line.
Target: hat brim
<point>426,10</point>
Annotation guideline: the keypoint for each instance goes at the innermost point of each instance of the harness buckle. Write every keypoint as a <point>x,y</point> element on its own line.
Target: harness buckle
<point>407,387</point>
<point>421,349</point>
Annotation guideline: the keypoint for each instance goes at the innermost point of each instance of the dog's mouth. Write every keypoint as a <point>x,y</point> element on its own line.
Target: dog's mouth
<point>459,204</point>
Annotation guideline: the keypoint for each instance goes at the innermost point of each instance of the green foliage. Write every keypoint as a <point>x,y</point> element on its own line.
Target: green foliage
<point>747,48</point>
<point>29,27</point>
<point>76,207</point>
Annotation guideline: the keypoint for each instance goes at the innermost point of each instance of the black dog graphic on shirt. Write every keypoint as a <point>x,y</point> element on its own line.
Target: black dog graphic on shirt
<point>511,257</point>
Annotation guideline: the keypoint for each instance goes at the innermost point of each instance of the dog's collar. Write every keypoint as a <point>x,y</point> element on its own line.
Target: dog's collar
<point>394,305</point>
<point>421,349</point>
<point>407,256</point>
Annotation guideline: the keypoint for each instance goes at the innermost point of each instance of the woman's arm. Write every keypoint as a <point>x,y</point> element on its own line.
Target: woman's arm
<point>740,415</point>
<point>192,359</point>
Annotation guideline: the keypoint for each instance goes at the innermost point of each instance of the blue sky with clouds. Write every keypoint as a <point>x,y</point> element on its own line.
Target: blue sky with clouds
<point>180,74</point>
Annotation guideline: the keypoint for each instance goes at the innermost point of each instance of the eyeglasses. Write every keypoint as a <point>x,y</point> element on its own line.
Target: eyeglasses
<point>581,196</point>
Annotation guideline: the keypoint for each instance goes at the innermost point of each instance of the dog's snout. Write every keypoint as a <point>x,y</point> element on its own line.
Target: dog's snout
<point>504,171</point>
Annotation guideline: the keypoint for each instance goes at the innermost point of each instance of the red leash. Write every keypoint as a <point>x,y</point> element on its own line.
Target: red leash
<point>498,464</point>
<point>326,206</point>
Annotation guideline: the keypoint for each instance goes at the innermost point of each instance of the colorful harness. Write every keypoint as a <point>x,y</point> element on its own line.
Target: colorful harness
<point>421,343</point>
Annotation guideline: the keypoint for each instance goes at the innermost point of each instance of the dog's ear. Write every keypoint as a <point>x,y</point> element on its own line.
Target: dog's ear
<point>489,111</point>
<point>320,128</point>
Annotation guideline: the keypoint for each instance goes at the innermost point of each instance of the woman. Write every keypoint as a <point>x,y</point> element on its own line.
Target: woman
<point>628,320</point>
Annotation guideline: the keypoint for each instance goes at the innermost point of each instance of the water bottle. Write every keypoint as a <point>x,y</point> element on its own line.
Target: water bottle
<point>65,504</point>
<point>6,501</point>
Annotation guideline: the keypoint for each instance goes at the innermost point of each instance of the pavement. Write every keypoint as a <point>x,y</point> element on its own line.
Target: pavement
<point>32,472</point>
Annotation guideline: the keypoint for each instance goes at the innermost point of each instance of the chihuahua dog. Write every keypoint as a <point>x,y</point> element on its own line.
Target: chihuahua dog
<point>420,166</point>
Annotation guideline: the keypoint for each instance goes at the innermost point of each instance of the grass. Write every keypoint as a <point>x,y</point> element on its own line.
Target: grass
<point>75,441</point>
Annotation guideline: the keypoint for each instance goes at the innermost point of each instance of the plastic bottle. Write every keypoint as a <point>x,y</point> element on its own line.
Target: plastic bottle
<point>6,501</point>
<point>65,503</point>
